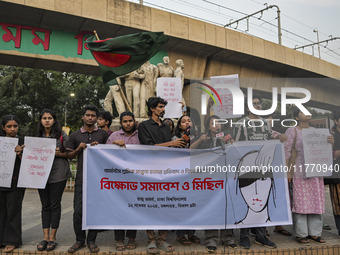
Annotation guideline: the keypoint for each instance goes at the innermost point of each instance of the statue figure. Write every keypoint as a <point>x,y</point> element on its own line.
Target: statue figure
<point>132,88</point>
<point>148,86</point>
<point>114,94</point>
<point>165,70</point>
<point>179,74</point>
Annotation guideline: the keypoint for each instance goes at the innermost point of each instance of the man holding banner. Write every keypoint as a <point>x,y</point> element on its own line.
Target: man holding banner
<point>254,133</point>
<point>87,134</point>
<point>156,132</point>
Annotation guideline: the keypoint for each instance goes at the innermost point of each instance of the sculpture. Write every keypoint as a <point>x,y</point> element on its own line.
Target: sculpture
<point>165,70</point>
<point>114,94</point>
<point>148,86</point>
<point>132,88</point>
<point>179,74</point>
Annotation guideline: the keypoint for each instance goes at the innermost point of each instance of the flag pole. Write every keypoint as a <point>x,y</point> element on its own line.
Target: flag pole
<point>118,83</point>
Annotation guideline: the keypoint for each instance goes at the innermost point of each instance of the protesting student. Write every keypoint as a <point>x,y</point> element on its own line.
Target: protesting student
<point>183,130</point>
<point>87,134</point>
<point>128,134</point>
<point>308,202</point>
<point>51,195</point>
<point>334,181</point>
<point>156,132</point>
<point>11,198</point>
<point>104,121</point>
<point>205,141</point>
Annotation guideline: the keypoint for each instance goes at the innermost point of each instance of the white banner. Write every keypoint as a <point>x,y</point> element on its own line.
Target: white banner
<point>170,89</point>
<point>151,187</point>
<point>317,152</point>
<point>37,160</point>
<point>7,160</point>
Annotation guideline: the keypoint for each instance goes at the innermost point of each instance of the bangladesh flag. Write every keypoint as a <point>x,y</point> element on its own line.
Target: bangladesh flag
<point>124,54</point>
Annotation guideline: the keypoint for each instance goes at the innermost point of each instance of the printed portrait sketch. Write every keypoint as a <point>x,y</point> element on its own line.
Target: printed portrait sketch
<point>257,195</point>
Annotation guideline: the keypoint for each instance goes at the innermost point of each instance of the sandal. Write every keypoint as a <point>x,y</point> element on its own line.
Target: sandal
<point>317,239</point>
<point>282,231</point>
<point>326,227</point>
<point>166,247</point>
<point>120,245</point>
<point>302,240</point>
<point>131,244</point>
<point>152,248</point>
<point>42,245</point>
<point>194,239</point>
<point>51,245</point>
<point>9,248</point>
<point>93,247</point>
<point>77,246</point>
<point>182,240</point>
<point>211,249</point>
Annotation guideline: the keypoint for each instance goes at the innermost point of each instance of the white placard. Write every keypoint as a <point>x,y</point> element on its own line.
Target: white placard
<point>170,89</point>
<point>317,152</point>
<point>7,160</point>
<point>220,84</point>
<point>37,160</point>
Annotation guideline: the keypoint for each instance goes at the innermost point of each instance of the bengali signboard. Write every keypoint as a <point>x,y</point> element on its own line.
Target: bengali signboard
<point>7,160</point>
<point>36,163</point>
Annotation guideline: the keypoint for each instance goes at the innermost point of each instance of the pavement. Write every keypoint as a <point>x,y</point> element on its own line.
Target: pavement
<point>32,233</point>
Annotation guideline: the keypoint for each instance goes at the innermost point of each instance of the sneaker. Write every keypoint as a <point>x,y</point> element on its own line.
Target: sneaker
<point>245,243</point>
<point>265,242</point>
<point>211,249</point>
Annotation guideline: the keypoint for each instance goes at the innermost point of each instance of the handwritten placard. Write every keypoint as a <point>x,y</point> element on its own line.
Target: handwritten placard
<point>170,90</point>
<point>221,84</point>
<point>36,164</point>
<point>317,152</point>
<point>7,160</point>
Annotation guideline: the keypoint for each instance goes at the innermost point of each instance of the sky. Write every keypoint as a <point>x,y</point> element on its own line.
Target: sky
<point>298,20</point>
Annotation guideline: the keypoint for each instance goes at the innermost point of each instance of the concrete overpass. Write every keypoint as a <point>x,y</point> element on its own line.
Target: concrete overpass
<point>206,49</point>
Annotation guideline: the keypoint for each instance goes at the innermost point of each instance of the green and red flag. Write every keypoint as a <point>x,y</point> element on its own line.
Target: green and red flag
<point>124,54</point>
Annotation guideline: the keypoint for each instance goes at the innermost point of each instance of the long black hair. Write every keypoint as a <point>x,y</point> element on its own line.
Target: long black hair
<point>55,129</point>
<point>178,130</point>
<point>4,121</point>
<point>207,124</point>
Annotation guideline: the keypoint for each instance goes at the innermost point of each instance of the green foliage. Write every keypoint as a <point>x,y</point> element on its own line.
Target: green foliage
<point>25,92</point>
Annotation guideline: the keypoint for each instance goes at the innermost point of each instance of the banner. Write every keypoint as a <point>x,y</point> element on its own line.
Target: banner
<point>151,187</point>
<point>7,160</point>
<point>36,163</point>
<point>317,152</point>
<point>170,89</point>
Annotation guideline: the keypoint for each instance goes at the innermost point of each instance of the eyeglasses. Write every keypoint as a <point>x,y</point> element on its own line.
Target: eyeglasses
<point>258,103</point>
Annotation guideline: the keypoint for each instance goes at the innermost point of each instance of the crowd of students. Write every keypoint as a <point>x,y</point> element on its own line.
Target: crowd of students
<point>307,194</point>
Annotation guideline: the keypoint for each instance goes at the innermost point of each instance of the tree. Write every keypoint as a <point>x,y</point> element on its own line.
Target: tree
<point>26,92</point>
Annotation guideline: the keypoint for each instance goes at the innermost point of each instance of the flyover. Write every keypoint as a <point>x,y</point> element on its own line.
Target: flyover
<point>50,34</point>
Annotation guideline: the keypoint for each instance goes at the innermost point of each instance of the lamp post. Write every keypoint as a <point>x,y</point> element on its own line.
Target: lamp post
<point>71,95</point>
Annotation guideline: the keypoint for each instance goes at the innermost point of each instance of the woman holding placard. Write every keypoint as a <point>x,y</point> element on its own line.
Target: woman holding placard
<point>50,197</point>
<point>308,195</point>
<point>11,198</point>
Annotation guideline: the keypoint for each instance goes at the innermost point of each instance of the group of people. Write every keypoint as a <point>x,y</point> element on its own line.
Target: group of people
<point>307,194</point>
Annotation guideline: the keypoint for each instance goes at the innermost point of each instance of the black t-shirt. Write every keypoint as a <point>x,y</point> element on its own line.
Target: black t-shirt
<point>82,136</point>
<point>151,133</point>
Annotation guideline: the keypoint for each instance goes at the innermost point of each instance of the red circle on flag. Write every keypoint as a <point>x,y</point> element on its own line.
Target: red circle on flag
<point>110,59</point>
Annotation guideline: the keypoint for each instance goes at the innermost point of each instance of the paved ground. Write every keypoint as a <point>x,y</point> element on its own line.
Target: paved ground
<point>32,232</point>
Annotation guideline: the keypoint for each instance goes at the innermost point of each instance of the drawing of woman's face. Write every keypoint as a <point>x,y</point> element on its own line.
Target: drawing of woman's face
<point>256,194</point>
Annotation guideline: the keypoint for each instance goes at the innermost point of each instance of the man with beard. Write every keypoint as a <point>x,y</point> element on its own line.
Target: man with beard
<point>87,134</point>
<point>155,131</point>
<point>128,133</point>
